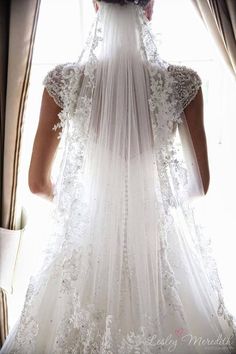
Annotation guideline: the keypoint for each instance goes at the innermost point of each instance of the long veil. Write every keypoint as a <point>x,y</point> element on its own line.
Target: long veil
<point>127,263</point>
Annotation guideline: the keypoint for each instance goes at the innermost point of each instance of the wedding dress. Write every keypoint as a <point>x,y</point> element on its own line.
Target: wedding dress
<point>127,268</point>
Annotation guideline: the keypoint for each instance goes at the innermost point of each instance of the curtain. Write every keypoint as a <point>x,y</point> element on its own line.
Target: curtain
<point>219,17</point>
<point>18,22</point>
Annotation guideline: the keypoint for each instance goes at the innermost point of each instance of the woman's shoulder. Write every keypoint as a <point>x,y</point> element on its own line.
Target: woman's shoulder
<point>58,80</point>
<point>184,75</point>
<point>186,83</point>
<point>61,70</point>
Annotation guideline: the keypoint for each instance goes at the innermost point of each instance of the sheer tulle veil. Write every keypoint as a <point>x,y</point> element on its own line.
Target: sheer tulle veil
<point>127,263</point>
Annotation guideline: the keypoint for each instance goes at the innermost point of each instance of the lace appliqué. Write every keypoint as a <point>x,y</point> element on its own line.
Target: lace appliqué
<point>57,83</point>
<point>185,84</point>
<point>90,331</point>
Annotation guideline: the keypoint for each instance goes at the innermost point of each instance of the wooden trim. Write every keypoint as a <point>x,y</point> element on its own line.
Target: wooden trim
<point>3,316</point>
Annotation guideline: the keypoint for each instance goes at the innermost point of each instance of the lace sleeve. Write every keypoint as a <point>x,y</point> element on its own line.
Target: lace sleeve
<point>186,83</point>
<point>56,83</point>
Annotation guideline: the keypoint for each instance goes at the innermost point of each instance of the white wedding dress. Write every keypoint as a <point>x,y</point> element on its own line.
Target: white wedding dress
<point>127,268</point>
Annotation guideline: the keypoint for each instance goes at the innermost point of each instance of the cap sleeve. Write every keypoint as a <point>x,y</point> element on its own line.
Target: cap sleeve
<point>185,85</point>
<point>56,83</point>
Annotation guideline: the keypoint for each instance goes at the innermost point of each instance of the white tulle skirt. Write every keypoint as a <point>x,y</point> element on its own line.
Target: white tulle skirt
<point>123,273</point>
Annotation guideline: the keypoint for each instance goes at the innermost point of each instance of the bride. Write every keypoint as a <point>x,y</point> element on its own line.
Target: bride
<point>126,268</point>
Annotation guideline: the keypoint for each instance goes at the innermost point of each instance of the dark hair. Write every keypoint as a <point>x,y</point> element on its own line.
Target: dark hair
<point>124,2</point>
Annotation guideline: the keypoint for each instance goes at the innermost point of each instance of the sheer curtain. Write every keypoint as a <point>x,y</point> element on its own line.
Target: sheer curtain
<point>220,19</point>
<point>62,30</point>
